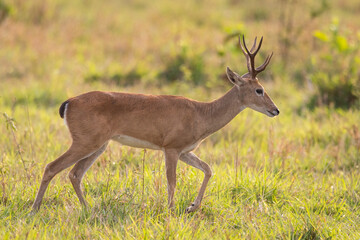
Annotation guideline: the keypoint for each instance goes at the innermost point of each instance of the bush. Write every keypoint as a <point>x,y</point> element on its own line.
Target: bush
<point>335,70</point>
<point>184,66</point>
<point>4,11</point>
<point>134,76</point>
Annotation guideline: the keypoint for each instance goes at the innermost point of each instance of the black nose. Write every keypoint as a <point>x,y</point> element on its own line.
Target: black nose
<point>275,112</point>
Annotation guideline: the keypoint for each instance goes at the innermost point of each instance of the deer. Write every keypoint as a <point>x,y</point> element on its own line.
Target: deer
<point>173,124</point>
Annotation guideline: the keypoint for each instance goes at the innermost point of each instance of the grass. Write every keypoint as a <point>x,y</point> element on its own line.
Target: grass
<point>292,177</point>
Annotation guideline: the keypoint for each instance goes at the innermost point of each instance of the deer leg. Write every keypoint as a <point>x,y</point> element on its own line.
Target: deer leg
<point>78,171</point>
<point>171,159</point>
<point>191,159</point>
<point>71,156</point>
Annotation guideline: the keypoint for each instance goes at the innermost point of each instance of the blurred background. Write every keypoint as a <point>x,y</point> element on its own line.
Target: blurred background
<point>294,176</point>
<point>59,48</point>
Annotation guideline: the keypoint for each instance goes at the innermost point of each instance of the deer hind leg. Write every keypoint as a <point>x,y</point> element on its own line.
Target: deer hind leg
<point>71,156</point>
<point>78,171</point>
<point>171,159</point>
<point>191,159</point>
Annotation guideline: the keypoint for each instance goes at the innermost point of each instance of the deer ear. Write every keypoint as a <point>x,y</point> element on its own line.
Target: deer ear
<point>234,77</point>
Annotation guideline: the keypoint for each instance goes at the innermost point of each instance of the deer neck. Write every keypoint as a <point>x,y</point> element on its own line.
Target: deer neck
<point>221,111</point>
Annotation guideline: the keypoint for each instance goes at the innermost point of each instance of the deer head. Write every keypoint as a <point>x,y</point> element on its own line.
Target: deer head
<point>251,93</point>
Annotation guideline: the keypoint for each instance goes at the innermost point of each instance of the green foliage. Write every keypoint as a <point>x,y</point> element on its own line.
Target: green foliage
<point>233,31</point>
<point>335,69</point>
<point>132,77</point>
<point>319,10</point>
<point>186,65</point>
<point>113,74</point>
<point>4,11</point>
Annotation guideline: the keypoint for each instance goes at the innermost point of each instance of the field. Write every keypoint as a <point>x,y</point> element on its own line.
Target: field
<point>296,176</point>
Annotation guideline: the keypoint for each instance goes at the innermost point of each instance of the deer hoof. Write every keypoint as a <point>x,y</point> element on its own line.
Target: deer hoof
<point>192,208</point>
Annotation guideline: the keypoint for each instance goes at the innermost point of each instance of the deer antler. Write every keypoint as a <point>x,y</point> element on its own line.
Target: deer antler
<point>250,57</point>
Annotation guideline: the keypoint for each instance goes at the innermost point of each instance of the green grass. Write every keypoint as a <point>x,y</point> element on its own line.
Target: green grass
<point>296,176</point>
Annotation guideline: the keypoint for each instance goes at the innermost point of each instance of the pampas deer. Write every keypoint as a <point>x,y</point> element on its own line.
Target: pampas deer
<point>172,124</point>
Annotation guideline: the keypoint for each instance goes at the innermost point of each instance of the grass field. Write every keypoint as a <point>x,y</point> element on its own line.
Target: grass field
<point>296,176</point>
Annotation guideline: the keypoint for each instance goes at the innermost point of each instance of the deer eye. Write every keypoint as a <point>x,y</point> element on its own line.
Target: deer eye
<point>259,92</point>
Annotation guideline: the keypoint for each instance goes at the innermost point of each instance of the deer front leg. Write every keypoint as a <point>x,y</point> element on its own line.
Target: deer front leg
<point>191,159</point>
<point>171,159</point>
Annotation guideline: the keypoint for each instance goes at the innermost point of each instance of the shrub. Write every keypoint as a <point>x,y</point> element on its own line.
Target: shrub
<point>184,66</point>
<point>335,69</point>
<point>4,11</point>
<point>132,77</point>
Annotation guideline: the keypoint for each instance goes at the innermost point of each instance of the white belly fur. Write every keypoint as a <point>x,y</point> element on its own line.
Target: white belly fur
<point>190,147</point>
<point>138,143</point>
<point>134,142</point>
